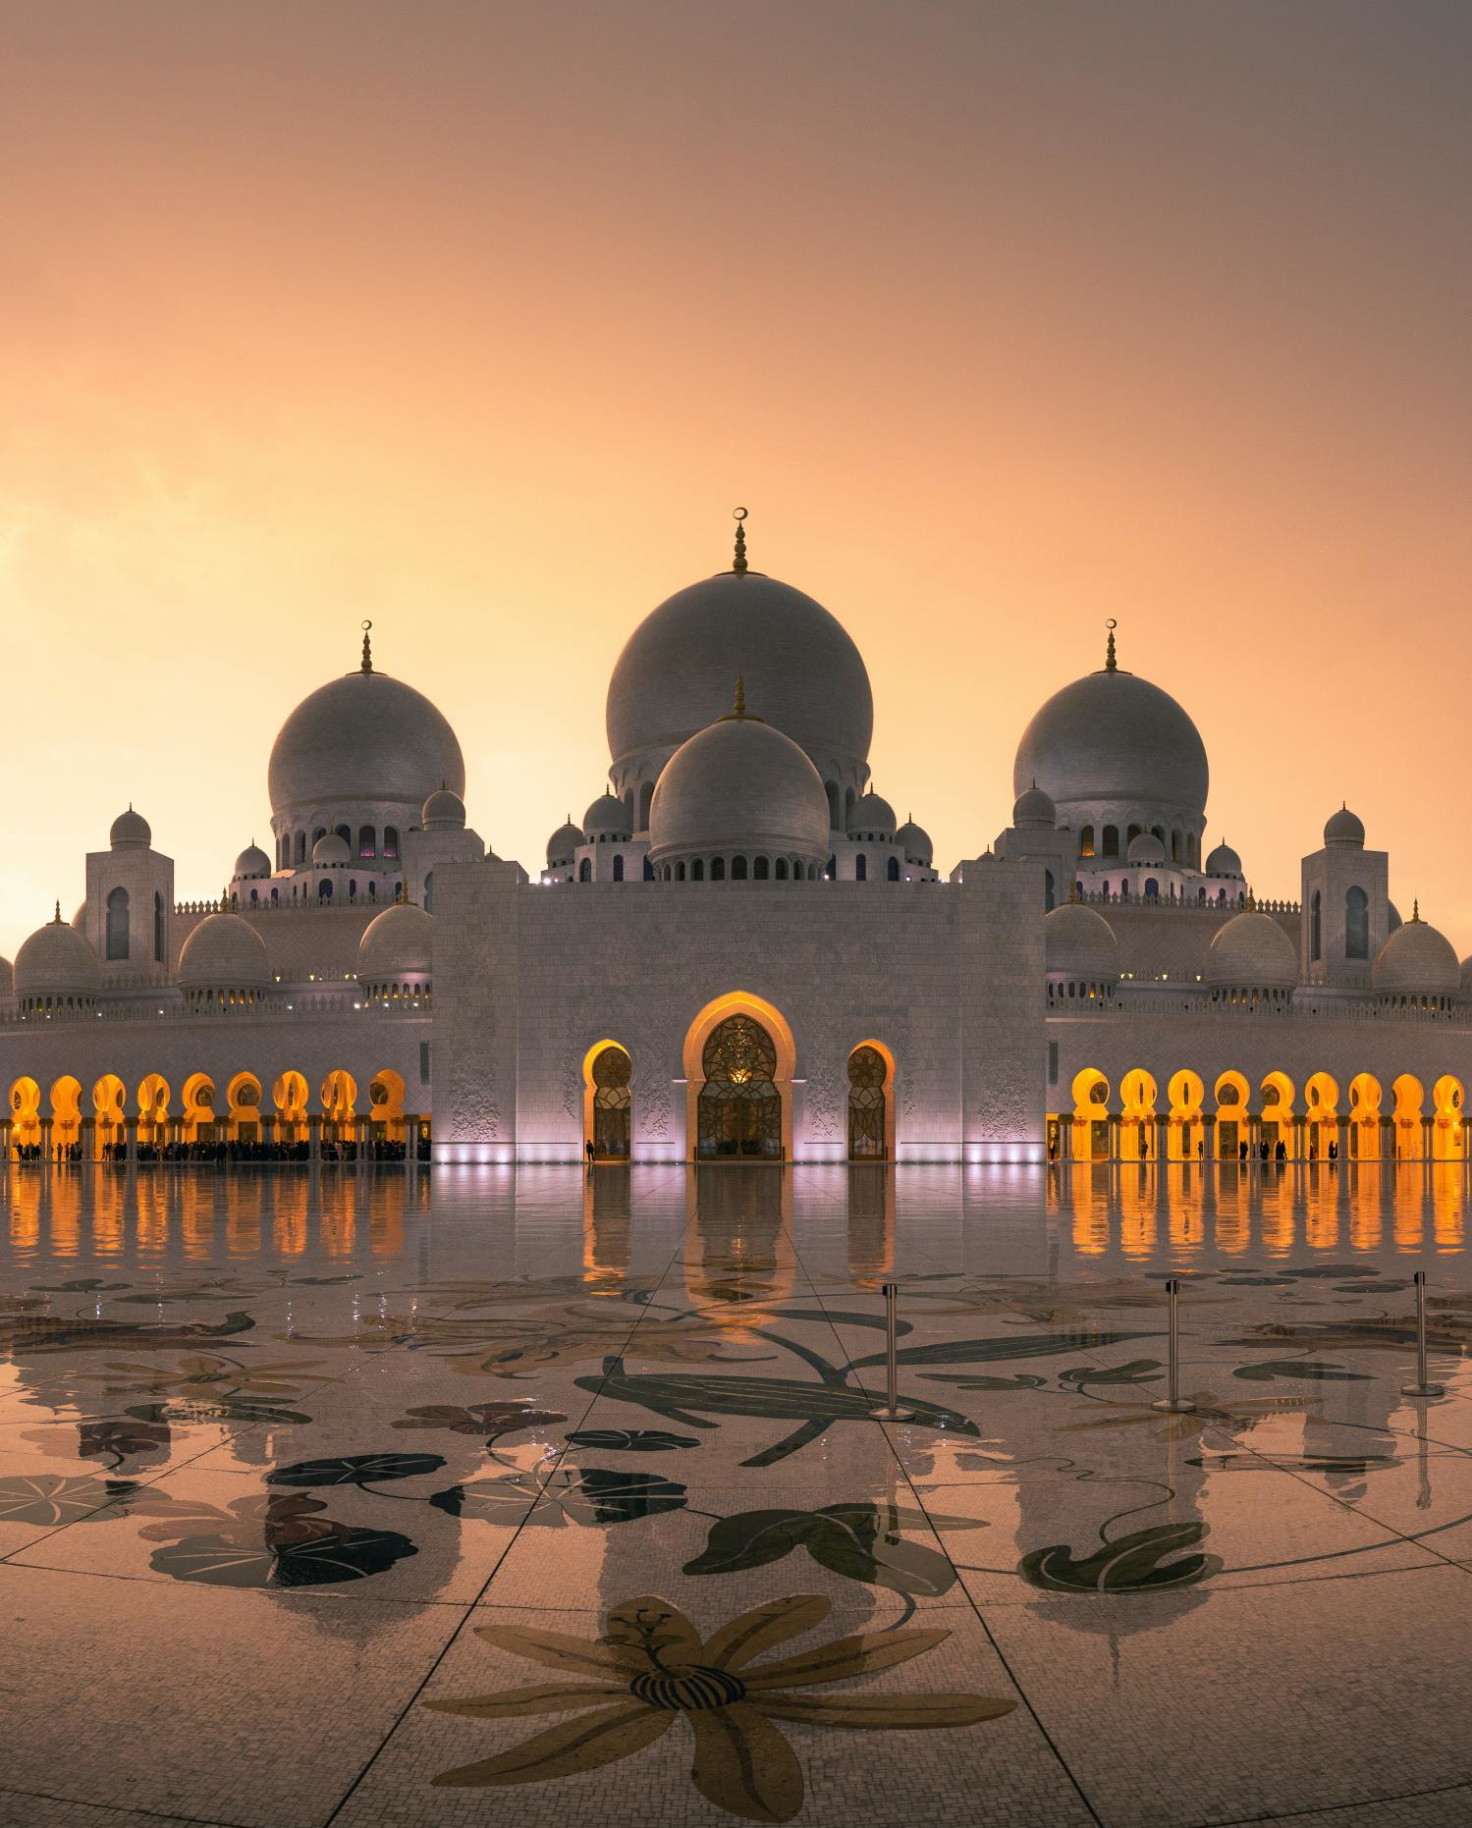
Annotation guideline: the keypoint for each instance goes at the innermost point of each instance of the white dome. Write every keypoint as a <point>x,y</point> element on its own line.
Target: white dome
<point>563,843</point>
<point>914,841</point>
<point>1467,976</point>
<point>7,977</point>
<point>1224,861</point>
<point>397,944</point>
<point>1416,960</point>
<point>1252,952</point>
<point>1145,847</point>
<point>1080,944</point>
<point>740,785</point>
<point>331,851</point>
<point>1111,736</point>
<point>443,811</point>
<point>872,813</point>
<point>57,961</point>
<point>130,831</point>
<point>607,817</point>
<point>365,737</point>
<point>674,675</point>
<point>1392,917</point>
<point>253,862</point>
<point>1034,807</point>
<point>224,952</point>
<point>1344,828</point>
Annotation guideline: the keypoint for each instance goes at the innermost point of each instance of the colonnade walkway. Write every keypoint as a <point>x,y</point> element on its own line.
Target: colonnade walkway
<point>567,1496</point>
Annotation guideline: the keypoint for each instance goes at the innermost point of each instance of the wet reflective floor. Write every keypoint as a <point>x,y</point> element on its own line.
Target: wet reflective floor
<point>382,1498</point>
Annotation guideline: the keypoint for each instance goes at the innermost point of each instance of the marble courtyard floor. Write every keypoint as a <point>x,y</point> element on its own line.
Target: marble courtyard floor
<point>372,1499</point>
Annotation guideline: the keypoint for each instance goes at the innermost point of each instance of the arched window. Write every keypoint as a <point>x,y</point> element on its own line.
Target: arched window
<point>352,888</point>
<point>850,800</point>
<point>1111,840</point>
<point>367,842</point>
<point>585,870</point>
<point>667,873</point>
<point>1316,926</point>
<point>697,870</point>
<point>1152,889</point>
<point>1158,832</point>
<point>324,889</point>
<point>831,789</point>
<point>893,872</point>
<point>1086,842</point>
<point>861,867</point>
<point>1356,924</point>
<point>1175,847</point>
<point>1049,892</point>
<point>1193,849</point>
<point>390,840</point>
<point>867,1073</point>
<point>160,929</point>
<point>760,870</point>
<point>1134,833</point>
<point>117,924</point>
<point>646,795</point>
<point>832,869</point>
<point>429,893</point>
<point>301,847</point>
<point>679,872</point>
<point>648,870</point>
<point>738,869</point>
<point>618,867</point>
<point>612,1102</point>
<point>718,869</point>
<point>781,869</point>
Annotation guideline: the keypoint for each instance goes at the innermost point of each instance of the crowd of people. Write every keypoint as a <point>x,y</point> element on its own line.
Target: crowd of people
<point>380,1149</point>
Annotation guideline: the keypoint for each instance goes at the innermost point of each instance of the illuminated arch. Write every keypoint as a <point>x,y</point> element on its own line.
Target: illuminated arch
<point>1090,1116</point>
<point>66,1111</point>
<point>1138,1093</point>
<point>197,1113</point>
<point>1278,1123</point>
<point>608,1072</point>
<point>243,1098</point>
<point>870,1086</point>
<point>25,1114</point>
<point>773,1023</point>
<point>1231,1095</point>
<point>339,1101</point>
<point>289,1094</point>
<point>1410,1100</point>
<point>1322,1097</point>
<point>153,1110</point>
<point>1449,1125</point>
<point>1364,1118</point>
<point>386,1106</point>
<point>1187,1094</point>
<point>108,1097</point>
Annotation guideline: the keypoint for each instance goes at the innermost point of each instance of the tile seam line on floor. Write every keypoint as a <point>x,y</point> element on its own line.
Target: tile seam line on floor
<point>968,1601</point>
<point>1322,1809</point>
<point>478,1599</point>
<point>154,1815</point>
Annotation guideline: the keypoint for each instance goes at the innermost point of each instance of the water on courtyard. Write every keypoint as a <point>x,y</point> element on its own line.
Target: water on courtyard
<point>376,1497</point>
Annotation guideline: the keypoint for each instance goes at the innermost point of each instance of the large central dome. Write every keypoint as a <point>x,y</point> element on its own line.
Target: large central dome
<point>1111,736</point>
<point>365,737</point>
<point>675,672</point>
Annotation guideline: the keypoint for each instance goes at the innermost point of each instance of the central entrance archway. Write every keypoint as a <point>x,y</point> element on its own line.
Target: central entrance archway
<point>740,1108</point>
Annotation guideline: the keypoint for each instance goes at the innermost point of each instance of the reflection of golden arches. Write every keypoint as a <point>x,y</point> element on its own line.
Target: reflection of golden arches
<point>1449,1121</point>
<point>1187,1093</point>
<point>733,1003</point>
<point>889,1099</point>
<point>590,1089</point>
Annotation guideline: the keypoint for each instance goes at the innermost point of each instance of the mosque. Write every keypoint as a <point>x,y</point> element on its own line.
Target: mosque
<point>740,953</point>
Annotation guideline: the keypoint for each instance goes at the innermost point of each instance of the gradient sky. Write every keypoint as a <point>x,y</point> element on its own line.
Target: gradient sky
<point>477,319</point>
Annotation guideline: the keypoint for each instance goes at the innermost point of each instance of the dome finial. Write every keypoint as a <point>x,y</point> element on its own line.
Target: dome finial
<point>739,566</point>
<point>1109,661</point>
<point>367,666</point>
<point>1416,910</point>
<point>57,921</point>
<point>739,708</point>
<point>1251,900</point>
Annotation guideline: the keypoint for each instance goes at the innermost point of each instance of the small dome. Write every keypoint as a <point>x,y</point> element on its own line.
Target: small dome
<point>331,851</point>
<point>1080,944</point>
<point>1145,847</point>
<point>563,844</point>
<point>1034,808</point>
<point>914,841</point>
<point>79,919</point>
<point>740,785</point>
<point>57,961</point>
<point>1416,960</point>
<point>7,977</point>
<point>872,813</point>
<point>1467,975</point>
<point>224,952</point>
<point>1252,952</point>
<point>444,810</point>
<point>607,817</point>
<point>397,944</point>
<point>1392,917</point>
<point>130,831</point>
<point>1344,828</point>
<point>252,862</point>
<point>1224,861</point>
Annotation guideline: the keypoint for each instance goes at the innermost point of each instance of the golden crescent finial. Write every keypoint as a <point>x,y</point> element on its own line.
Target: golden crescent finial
<point>739,516</point>
<point>1110,665</point>
<point>367,665</point>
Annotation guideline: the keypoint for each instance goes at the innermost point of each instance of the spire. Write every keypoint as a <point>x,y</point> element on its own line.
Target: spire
<point>1415,911</point>
<point>367,666</point>
<point>739,708</point>
<point>1109,660</point>
<point>57,921</point>
<point>739,566</point>
<point>1251,900</point>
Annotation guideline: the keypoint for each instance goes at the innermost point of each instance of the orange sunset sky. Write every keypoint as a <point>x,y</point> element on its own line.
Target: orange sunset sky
<point>477,319</point>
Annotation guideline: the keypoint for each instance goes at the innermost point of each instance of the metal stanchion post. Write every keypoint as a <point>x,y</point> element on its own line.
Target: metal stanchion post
<point>1175,1403</point>
<point>1422,1386</point>
<point>892,1411</point>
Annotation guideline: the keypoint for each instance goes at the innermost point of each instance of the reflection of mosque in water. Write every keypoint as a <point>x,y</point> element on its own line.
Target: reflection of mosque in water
<point>740,953</point>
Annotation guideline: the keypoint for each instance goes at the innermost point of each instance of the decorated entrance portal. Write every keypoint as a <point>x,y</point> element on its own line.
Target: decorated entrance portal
<point>740,1106</point>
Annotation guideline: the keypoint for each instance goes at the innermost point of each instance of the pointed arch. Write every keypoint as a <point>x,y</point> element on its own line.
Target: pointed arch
<point>1231,1094</point>
<point>1448,1123</point>
<point>243,1108</point>
<point>773,1024</point>
<point>1365,1098</point>
<point>1187,1094</point>
<point>608,1072</point>
<point>871,1103</point>
<point>386,1106</point>
<point>1279,1121</point>
<point>1410,1099</point>
<point>1138,1093</point>
<point>1090,1116</point>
